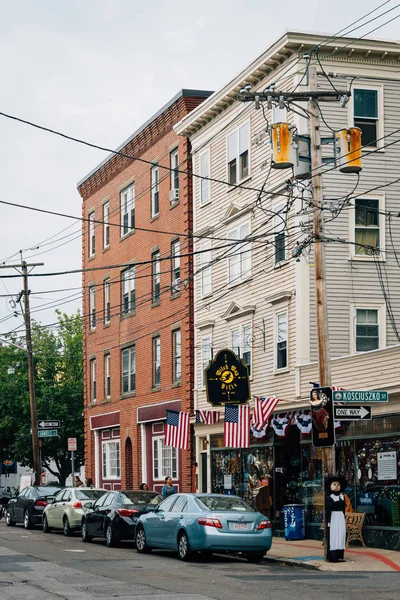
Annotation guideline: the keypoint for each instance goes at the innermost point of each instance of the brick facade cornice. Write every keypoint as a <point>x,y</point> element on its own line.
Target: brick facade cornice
<point>146,138</point>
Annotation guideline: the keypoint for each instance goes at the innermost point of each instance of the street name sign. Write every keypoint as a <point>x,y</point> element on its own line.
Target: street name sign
<point>360,396</point>
<point>353,413</point>
<point>49,424</point>
<point>47,433</point>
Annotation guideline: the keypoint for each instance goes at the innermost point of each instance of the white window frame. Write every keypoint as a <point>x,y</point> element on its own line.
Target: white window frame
<point>93,386</point>
<point>381,125</point>
<point>238,254</point>
<point>155,277</point>
<point>156,360</point>
<point>129,352</point>
<point>175,266</point>
<point>92,235</point>
<point>106,225</point>
<point>381,308</point>
<point>176,355</point>
<point>204,171</point>
<point>382,229</point>
<point>128,290</point>
<point>106,449</point>
<point>107,301</point>
<point>237,155</point>
<point>155,191</point>
<point>127,207</point>
<point>280,229</point>
<point>277,314</point>
<point>174,164</point>
<point>206,271</point>
<point>160,461</point>
<point>245,341</point>
<point>92,307</point>
<point>107,376</point>
<point>206,348</point>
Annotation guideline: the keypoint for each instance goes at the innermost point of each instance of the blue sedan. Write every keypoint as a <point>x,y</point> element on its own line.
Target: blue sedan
<point>208,523</point>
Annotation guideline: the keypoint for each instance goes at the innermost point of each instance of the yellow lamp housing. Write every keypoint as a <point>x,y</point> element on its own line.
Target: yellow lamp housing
<point>282,146</point>
<point>350,153</point>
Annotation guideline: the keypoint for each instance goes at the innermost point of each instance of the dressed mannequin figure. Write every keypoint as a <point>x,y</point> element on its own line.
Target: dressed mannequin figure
<point>335,507</point>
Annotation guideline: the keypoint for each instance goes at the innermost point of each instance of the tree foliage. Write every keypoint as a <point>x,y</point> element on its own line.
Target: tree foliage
<point>58,364</point>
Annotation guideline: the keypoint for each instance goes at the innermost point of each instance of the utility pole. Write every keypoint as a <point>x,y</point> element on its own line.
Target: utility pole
<point>37,467</point>
<point>328,453</point>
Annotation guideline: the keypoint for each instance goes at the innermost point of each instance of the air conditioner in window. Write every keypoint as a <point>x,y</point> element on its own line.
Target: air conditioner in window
<point>174,195</point>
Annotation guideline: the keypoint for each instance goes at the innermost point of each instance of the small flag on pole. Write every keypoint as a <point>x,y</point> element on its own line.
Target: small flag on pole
<point>177,432</point>
<point>237,426</point>
<point>208,417</point>
<point>263,409</point>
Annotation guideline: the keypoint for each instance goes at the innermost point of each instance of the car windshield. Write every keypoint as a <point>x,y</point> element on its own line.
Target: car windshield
<point>89,494</point>
<point>48,491</point>
<point>223,504</point>
<point>138,498</point>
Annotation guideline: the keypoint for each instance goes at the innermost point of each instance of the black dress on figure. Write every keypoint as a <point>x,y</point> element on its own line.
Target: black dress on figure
<point>335,515</point>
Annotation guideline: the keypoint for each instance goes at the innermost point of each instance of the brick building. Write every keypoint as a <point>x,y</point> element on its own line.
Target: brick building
<point>138,324</point>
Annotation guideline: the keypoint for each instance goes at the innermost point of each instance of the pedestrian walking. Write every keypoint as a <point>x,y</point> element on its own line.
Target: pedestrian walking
<point>78,481</point>
<point>168,488</point>
<point>89,482</point>
<point>144,487</point>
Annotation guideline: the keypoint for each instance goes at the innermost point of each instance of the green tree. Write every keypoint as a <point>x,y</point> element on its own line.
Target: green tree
<point>58,363</point>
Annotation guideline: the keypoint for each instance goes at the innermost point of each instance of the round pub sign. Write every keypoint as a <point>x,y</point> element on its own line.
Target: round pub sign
<point>227,380</point>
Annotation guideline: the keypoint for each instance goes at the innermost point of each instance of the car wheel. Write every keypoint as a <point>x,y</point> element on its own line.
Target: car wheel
<point>46,528</point>
<point>85,537</point>
<point>111,538</point>
<point>9,520</point>
<point>141,544</point>
<point>255,557</point>
<point>27,520</point>
<point>66,527</point>
<point>184,549</point>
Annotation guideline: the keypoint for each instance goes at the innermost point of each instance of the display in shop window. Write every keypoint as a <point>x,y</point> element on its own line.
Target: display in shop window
<point>227,380</point>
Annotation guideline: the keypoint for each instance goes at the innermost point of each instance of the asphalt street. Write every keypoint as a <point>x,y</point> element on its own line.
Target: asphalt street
<point>36,566</point>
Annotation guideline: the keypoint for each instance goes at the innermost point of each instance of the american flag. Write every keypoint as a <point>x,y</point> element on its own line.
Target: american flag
<point>263,408</point>
<point>177,432</point>
<point>208,417</point>
<point>237,426</point>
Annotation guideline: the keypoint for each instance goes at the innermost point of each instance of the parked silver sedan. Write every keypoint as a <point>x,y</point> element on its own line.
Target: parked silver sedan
<point>66,510</point>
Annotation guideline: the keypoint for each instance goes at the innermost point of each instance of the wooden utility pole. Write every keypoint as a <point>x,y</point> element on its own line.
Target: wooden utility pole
<point>37,467</point>
<point>328,454</point>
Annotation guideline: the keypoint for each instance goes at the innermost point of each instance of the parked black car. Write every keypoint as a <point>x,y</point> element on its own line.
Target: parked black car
<point>114,515</point>
<point>28,507</point>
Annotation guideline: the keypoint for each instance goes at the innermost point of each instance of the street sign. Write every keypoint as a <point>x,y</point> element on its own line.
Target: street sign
<point>360,396</point>
<point>323,427</point>
<point>353,413</point>
<point>47,433</point>
<point>72,446</point>
<point>48,424</point>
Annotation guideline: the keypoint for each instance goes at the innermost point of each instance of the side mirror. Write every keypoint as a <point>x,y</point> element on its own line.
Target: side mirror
<point>88,505</point>
<point>50,500</point>
<point>150,508</point>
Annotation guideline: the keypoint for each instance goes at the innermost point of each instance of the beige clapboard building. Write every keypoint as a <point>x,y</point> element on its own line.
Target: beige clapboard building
<point>257,299</point>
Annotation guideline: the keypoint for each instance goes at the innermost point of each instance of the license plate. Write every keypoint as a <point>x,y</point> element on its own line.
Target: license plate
<point>241,526</point>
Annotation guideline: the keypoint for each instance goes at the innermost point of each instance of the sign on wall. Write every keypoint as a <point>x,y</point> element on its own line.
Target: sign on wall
<point>323,422</point>
<point>227,380</point>
<point>387,465</point>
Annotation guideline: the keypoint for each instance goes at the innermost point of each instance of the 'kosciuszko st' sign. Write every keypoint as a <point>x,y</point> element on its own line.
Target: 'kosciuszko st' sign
<point>227,380</point>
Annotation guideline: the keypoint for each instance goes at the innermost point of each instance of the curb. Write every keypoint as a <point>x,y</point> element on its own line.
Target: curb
<point>291,562</point>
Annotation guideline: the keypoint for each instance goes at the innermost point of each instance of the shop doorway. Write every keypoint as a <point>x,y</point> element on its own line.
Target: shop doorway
<point>128,464</point>
<point>204,472</point>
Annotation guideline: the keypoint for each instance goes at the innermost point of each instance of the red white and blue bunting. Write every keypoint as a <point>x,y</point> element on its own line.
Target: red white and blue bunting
<point>303,420</point>
<point>280,423</point>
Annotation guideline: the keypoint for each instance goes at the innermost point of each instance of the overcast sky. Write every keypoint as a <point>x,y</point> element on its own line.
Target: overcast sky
<point>97,69</point>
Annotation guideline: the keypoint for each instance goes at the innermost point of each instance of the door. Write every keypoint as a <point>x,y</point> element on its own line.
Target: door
<point>103,511</point>
<point>204,472</point>
<point>19,504</point>
<point>157,530</point>
<point>53,510</point>
<point>93,517</point>
<point>64,501</point>
<point>173,521</point>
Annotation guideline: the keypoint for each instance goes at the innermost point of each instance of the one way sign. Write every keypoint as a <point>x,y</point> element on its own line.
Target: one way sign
<point>352,413</point>
<point>48,424</point>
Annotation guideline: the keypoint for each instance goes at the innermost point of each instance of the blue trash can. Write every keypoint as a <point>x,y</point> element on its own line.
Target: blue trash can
<point>294,519</point>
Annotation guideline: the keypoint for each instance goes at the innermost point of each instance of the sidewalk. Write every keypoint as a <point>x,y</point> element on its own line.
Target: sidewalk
<point>309,554</point>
